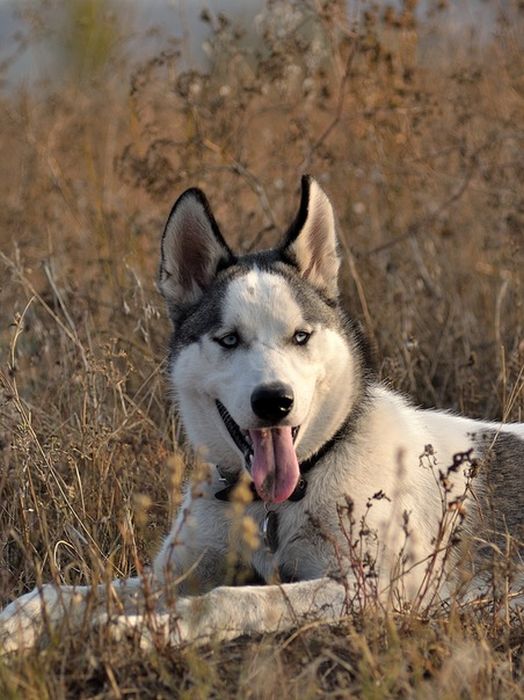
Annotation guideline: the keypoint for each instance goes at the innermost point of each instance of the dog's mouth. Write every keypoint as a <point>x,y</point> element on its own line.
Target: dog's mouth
<point>269,454</point>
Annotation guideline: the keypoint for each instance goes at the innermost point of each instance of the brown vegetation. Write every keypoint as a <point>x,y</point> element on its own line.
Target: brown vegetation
<point>419,145</point>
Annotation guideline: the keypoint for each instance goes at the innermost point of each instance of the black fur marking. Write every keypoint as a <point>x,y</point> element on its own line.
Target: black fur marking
<point>287,575</point>
<point>195,321</point>
<point>298,224</point>
<point>366,352</point>
<point>502,486</point>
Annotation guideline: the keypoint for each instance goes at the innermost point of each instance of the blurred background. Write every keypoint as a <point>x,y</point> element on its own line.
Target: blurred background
<point>56,41</point>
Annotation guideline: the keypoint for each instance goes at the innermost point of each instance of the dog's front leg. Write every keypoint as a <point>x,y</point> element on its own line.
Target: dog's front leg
<point>228,612</point>
<point>46,608</point>
<point>205,548</point>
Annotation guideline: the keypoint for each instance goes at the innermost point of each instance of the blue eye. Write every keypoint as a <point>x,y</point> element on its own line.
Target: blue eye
<point>301,337</point>
<point>228,341</point>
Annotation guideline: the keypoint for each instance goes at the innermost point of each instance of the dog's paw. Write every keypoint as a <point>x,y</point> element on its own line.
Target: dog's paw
<point>182,624</point>
<point>152,629</point>
<point>149,630</point>
<point>23,621</point>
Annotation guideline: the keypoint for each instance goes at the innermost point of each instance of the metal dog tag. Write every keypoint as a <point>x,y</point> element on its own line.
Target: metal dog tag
<point>270,530</point>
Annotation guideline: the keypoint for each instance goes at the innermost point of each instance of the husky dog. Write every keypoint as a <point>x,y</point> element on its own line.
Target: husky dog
<point>339,483</point>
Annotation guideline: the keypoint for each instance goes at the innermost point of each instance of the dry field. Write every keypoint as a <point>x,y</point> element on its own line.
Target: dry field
<point>418,138</point>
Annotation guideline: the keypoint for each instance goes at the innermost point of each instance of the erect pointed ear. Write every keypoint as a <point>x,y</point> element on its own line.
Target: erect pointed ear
<point>192,251</point>
<point>311,241</point>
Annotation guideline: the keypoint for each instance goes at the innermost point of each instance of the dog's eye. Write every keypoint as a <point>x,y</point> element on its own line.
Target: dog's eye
<point>301,337</point>
<point>229,341</point>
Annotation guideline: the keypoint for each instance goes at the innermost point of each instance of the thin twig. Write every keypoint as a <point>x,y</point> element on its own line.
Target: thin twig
<point>304,167</point>
<point>415,228</point>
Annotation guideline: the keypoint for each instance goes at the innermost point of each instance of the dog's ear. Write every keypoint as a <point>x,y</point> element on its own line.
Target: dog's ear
<point>192,251</point>
<point>311,241</point>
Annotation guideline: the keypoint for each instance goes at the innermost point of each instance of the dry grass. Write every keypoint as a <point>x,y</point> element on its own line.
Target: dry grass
<point>421,152</point>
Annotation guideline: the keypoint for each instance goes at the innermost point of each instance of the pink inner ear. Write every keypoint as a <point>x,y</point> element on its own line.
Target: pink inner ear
<point>319,246</point>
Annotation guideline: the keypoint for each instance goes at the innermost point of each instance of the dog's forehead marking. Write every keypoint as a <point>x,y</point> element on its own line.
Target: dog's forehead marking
<point>261,303</point>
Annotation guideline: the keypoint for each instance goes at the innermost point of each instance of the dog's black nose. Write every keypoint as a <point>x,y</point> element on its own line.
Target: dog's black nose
<point>272,402</point>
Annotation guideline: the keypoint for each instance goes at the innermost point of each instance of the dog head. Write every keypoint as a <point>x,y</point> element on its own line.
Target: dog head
<point>264,366</point>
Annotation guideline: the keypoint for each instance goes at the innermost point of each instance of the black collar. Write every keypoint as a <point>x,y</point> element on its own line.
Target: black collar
<point>306,466</point>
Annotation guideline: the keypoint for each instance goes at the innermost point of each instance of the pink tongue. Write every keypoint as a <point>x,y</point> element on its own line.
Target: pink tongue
<point>274,468</point>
